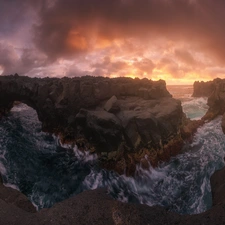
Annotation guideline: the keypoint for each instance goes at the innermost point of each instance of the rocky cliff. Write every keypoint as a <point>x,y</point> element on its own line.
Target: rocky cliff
<point>123,120</point>
<point>215,91</point>
<point>203,89</point>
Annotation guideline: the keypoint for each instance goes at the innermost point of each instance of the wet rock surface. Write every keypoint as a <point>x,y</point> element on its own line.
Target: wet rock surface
<point>14,197</point>
<point>216,100</point>
<point>218,187</point>
<point>203,89</point>
<point>97,207</point>
<point>123,129</point>
<point>122,119</point>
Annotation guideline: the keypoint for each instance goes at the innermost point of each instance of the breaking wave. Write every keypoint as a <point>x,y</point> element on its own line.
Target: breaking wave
<point>46,171</point>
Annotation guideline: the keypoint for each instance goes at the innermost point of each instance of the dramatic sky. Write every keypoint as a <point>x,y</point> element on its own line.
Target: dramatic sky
<point>179,41</point>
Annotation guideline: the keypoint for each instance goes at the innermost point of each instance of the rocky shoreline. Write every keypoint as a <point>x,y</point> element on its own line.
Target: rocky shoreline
<point>75,113</point>
<point>215,91</point>
<point>122,120</point>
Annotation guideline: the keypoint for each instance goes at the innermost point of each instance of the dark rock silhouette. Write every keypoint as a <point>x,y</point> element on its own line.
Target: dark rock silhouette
<point>218,187</point>
<point>216,100</point>
<point>96,207</point>
<point>203,89</point>
<point>142,119</point>
<point>121,119</point>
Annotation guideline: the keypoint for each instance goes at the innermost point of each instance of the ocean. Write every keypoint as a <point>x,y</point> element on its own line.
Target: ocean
<point>38,165</point>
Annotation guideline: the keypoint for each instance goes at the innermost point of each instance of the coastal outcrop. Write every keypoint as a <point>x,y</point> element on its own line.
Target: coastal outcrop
<point>123,127</point>
<point>15,198</point>
<point>216,100</point>
<point>203,89</point>
<point>125,121</point>
<point>218,186</point>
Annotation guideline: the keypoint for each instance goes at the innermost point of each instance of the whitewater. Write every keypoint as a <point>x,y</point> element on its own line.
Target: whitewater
<point>38,165</point>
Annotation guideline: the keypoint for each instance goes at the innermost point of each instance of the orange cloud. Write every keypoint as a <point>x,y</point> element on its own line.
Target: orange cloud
<point>76,41</point>
<point>176,40</point>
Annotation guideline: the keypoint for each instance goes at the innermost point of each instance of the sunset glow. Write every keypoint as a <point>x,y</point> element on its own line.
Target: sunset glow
<point>169,40</point>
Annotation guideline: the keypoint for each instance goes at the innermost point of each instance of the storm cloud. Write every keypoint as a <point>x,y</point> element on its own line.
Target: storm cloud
<point>167,39</point>
<point>80,26</point>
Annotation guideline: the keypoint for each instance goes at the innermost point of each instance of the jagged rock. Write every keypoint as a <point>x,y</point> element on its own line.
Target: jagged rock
<point>223,123</point>
<point>112,105</point>
<point>150,127</point>
<point>218,186</point>
<point>14,197</point>
<point>203,89</point>
<point>146,118</point>
<point>215,90</point>
<point>190,127</point>
<point>216,101</point>
<point>102,127</point>
<point>96,207</point>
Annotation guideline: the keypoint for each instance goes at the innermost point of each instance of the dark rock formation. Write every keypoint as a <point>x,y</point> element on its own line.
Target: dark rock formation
<point>96,207</point>
<point>215,91</point>
<point>218,186</point>
<point>120,119</point>
<point>15,198</point>
<point>112,105</point>
<point>203,89</point>
<point>216,101</point>
<point>142,119</point>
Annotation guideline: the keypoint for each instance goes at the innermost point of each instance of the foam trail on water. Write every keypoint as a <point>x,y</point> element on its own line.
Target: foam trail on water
<point>195,108</point>
<point>48,172</point>
<point>182,185</point>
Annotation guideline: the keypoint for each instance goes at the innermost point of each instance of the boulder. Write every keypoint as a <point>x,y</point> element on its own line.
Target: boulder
<point>112,105</point>
<point>218,186</point>
<point>16,198</point>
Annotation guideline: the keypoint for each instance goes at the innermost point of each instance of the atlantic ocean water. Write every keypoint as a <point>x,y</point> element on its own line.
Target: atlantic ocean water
<point>38,165</point>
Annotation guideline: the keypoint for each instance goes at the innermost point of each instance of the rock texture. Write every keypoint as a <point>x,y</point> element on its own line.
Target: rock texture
<point>203,89</point>
<point>121,119</point>
<point>98,208</point>
<point>15,198</point>
<point>218,187</point>
<point>216,100</point>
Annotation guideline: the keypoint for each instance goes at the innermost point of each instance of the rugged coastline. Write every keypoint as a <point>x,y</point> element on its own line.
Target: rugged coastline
<point>96,207</point>
<point>215,91</point>
<point>123,120</point>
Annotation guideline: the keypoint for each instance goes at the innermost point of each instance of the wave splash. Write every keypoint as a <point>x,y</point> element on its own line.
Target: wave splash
<point>195,108</point>
<point>47,172</point>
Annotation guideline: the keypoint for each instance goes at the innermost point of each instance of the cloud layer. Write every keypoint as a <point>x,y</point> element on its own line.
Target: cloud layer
<point>169,39</point>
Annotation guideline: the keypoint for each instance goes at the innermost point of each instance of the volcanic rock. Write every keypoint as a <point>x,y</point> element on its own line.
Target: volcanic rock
<point>216,101</point>
<point>122,119</point>
<point>203,89</point>
<point>218,186</point>
<point>16,198</point>
<point>112,105</point>
<point>97,207</point>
